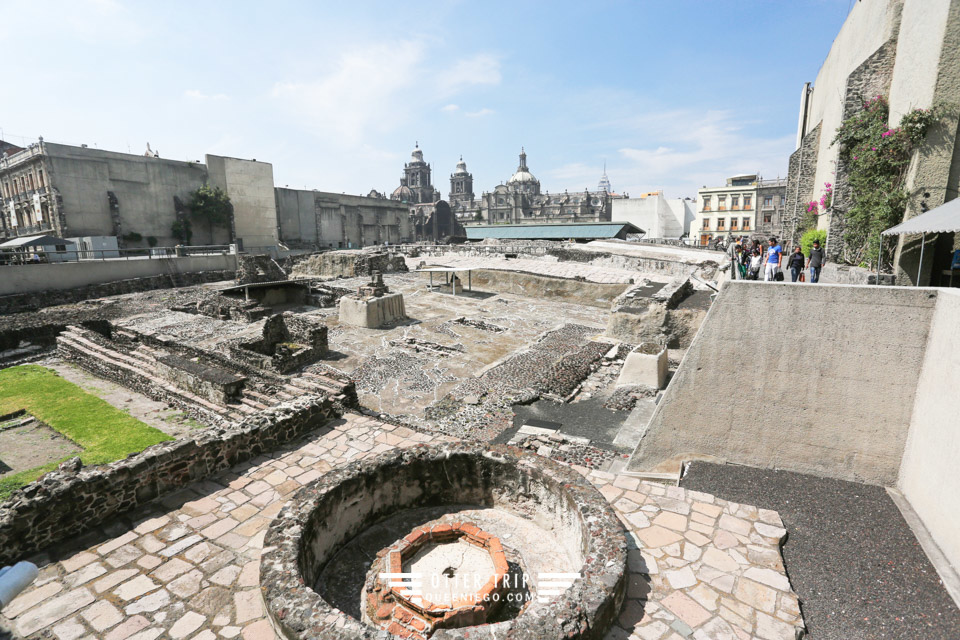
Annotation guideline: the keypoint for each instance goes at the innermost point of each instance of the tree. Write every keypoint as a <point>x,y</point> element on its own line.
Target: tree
<point>212,206</point>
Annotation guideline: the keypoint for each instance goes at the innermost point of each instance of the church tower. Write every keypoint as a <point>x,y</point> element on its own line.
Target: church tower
<point>416,173</point>
<point>461,188</point>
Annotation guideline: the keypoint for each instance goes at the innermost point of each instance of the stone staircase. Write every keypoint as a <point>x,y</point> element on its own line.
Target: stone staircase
<point>137,368</point>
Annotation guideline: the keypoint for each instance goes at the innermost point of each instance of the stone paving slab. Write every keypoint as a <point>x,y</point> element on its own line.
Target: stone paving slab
<point>187,567</point>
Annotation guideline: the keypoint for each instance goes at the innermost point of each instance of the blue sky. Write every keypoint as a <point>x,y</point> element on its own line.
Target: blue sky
<point>672,94</point>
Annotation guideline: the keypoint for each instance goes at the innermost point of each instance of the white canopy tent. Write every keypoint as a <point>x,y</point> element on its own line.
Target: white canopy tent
<point>943,219</point>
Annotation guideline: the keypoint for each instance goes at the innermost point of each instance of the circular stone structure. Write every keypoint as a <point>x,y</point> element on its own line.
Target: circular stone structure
<point>521,497</point>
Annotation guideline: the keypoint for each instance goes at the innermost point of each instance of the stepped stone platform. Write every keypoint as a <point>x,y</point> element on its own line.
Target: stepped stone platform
<point>187,566</point>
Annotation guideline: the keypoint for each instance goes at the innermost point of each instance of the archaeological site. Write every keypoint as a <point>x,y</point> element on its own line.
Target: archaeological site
<point>237,407</point>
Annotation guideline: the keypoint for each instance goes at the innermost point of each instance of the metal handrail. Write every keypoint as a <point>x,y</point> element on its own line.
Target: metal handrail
<point>25,255</point>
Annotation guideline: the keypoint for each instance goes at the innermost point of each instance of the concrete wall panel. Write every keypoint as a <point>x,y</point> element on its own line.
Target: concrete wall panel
<point>928,475</point>
<point>814,379</point>
<point>67,275</point>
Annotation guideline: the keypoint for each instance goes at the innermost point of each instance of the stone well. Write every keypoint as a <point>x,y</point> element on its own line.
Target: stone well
<point>507,516</point>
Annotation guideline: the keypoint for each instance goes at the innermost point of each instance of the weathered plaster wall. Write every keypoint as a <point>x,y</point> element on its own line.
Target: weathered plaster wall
<point>656,215</point>
<point>68,275</point>
<point>250,186</point>
<point>866,29</point>
<point>828,389</point>
<point>340,221</point>
<point>928,75</point>
<point>144,187</point>
<point>928,475</point>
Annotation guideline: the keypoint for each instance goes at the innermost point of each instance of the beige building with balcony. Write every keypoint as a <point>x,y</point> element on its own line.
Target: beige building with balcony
<point>727,210</point>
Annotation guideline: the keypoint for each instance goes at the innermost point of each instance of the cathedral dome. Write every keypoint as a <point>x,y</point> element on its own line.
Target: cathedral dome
<point>461,168</point>
<point>403,193</point>
<point>416,155</point>
<point>523,175</point>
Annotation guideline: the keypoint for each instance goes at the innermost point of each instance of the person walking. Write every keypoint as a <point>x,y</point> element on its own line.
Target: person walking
<point>774,254</point>
<point>756,261</point>
<point>795,263</point>
<point>815,261</point>
<point>740,262</point>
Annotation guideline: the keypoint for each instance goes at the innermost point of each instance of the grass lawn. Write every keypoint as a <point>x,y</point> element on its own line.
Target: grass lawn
<point>105,432</point>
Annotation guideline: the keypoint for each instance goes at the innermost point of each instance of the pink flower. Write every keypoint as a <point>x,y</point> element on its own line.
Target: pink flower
<point>874,148</point>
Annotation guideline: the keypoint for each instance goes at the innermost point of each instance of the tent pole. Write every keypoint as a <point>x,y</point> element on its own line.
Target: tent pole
<point>923,242</point>
<point>879,255</point>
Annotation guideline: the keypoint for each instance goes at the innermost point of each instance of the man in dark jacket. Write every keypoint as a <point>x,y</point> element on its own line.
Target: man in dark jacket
<point>815,261</point>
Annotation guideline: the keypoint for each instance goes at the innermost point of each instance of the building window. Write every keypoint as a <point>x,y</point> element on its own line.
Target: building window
<point>40,176</point>
<point>31,181</point>
<point>767,217</point>
<point>706,224</point>
<point>706,203</point>
<point>733,224</point>
<point>767,201</point>
<point>721,224</point>
<point>747,202</point>
<point>783,200</point>
<point>734,202</point>
<point>721,203</point>
<point>746,224</point>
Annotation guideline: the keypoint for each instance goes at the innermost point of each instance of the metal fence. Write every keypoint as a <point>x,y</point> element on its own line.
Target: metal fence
<point>40,255</point>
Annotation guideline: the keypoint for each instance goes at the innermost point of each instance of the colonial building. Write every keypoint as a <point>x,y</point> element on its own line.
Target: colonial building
<point>461,196</point>
<point>415,185</point>
<point>520,201</point>
<point>727,210</point>
<point>771,204</point>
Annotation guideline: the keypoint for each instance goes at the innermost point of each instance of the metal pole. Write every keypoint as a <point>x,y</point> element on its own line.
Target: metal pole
<point>923,241</point>
<point>879,254</point>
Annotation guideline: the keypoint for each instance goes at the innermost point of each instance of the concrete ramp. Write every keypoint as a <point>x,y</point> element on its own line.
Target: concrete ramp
<point>815,379</point>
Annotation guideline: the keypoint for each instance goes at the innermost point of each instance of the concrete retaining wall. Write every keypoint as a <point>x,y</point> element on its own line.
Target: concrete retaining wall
<point>29,278</point>
<point>928,475</point>
<point>531,285</point>
<point>814,379</point>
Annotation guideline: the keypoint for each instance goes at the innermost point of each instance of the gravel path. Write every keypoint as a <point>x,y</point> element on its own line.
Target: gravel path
<point>850,556</point>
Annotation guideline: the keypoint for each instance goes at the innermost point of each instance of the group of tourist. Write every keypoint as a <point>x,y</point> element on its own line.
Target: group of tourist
<point>750,260</point>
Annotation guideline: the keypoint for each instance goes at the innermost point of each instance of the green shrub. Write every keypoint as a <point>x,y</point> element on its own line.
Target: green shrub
<point>806,240</point>
<point>152,241</point>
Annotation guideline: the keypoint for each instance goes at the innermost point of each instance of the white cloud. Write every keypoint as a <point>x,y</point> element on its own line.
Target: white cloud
<point>364,91</point>
<point>196,94</point>
<point>479,113</point>
<point>679,151</point>
<point>476,70</point>
<point>450,108</point>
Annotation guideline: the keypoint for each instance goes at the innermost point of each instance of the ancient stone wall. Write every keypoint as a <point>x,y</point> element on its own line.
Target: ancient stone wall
<point>558,253</point>
<point>349,264</point>
<point>872,78</point>
<point>258,268</point>
<point>20,302</point>
<point>801,173</point>
<point>69,501</point>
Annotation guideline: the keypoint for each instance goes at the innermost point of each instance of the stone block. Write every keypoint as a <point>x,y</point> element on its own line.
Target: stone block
<point>646,365</point>
<point>372,313</point>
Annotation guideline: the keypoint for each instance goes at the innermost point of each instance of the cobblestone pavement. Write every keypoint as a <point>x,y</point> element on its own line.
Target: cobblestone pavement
<point>188,566</point>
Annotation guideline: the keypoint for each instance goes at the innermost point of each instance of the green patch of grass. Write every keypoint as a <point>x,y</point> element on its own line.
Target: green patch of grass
<point>105,432</point>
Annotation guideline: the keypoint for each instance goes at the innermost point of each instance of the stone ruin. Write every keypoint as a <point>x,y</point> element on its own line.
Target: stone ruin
<point>258,268</point>
<point>373,306</point>
<point>288,342</point>
<point>350,264</point>
<point>508,522</point>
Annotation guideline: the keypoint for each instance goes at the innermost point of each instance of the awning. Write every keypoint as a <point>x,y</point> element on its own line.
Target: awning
<point>943,219</point>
